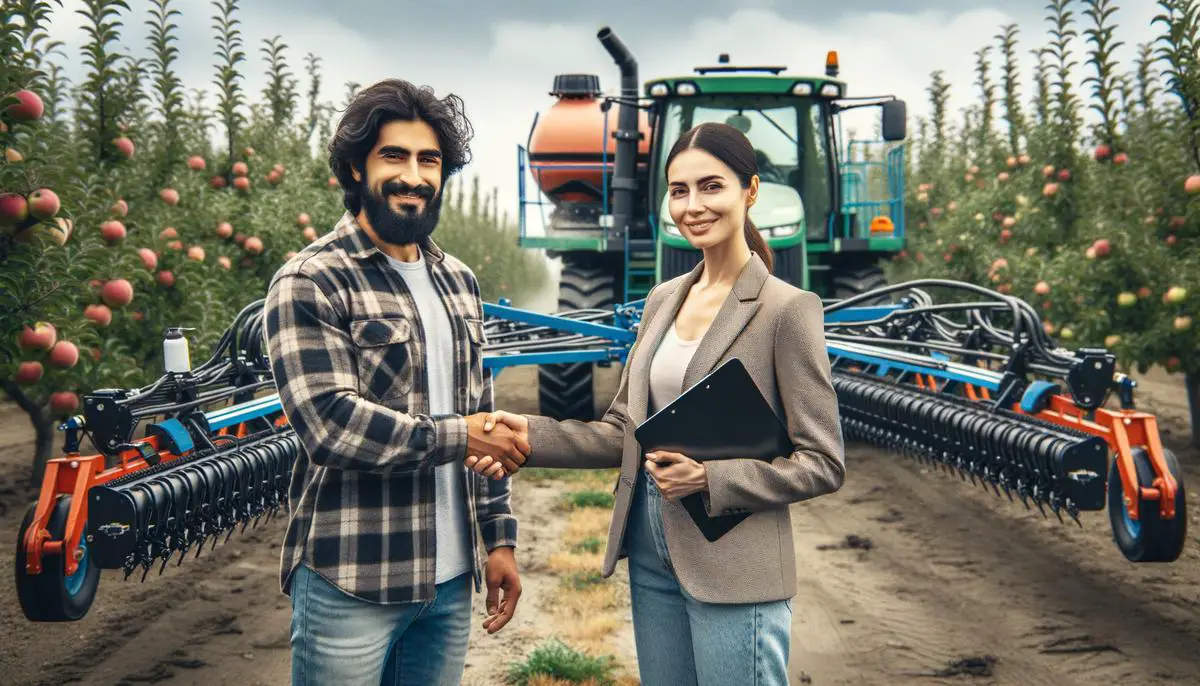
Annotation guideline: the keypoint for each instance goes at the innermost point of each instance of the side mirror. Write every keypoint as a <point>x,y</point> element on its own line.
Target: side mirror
<point>895,120</point>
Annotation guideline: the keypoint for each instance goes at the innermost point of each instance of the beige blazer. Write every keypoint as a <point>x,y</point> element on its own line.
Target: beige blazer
<point>777,330</point>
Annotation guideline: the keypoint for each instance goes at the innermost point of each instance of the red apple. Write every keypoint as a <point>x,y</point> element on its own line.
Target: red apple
<point>1177,222</point>
<point>1171,239</point>
<point>249,151</point>
<point>1192,185</point>
<point>1011,162</point>
<point>1102,152</point>
<point>1006,235</point>
<point>1183,323</point>
<point>1064,174</point>
<point>168,233</point>
<point>149,259</point>
<point>1144,292</point>
<point>1024,159</point>
<point>29,373</point>
<point>44,203</point>
<point>241,183</point>
<point>217,182</point>
<point>196,253</point>
<point>1010,222</point>
<point>1102,247</point>
<point>333,182</point>
<point>169,196</point>
<point>239,238</point>
<point>1003,176</point>
<point>120,208</point>
<point>1048,170</point>
<point>124,146</point>
<point>165,279</point>
<point>1042,288</point>
<point>303,220</point>
<point>310,233</point>
<point>63,355</point>
<point>100,314</point>
<point>225,230</point>
<point>1172,363</point>
<point>225,262</point>
<point>240,169</point>
<point>196,163</point>
<point>14,209</point>
<point>1050,189</point>
<point>254,245</point>
<point>63,402</point>
<point>1120,158</point>
<point>117,293</point>
<point>30,107</point>
<point>41,337</point>
<point>175,245</point>
<point>112,231</point>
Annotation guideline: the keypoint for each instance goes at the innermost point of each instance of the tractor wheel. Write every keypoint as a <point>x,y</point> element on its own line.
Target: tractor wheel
<point>565,390</point>
<point>52,595</point>
<point>1149,538</point>
<point>852,280</point>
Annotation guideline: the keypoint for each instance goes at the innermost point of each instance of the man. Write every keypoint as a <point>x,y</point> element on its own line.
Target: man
<point>375,338</point>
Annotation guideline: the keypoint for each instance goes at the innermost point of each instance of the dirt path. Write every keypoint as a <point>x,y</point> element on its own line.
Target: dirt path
<point>904,573</point>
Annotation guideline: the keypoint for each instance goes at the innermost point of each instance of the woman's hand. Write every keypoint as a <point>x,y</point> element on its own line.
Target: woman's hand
<point>676,475</point>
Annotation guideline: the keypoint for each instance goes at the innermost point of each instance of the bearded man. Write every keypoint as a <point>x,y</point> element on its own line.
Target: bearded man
<point>375,336</point>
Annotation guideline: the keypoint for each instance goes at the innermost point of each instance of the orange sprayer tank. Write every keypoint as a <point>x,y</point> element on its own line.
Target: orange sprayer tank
<point>566,143</point>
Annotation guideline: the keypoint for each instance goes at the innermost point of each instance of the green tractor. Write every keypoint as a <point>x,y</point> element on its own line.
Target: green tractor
<point>831,210</point>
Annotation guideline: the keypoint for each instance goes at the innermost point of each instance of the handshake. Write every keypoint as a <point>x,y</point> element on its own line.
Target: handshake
<point>497,443</point>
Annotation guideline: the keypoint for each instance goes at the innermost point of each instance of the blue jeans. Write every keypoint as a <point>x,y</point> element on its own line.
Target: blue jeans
<point>338,639</point>
<point>681,640</point>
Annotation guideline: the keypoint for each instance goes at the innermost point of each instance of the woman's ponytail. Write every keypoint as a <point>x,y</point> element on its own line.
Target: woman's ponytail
<point>759,245</point>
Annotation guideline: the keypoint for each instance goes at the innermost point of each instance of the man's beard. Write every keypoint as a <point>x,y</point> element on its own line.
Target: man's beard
<point>408,225</point>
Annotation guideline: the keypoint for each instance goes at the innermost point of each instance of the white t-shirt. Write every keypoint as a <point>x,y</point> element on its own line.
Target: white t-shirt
<point>453,531</point>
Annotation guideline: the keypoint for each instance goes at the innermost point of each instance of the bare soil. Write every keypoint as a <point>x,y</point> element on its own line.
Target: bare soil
<point>908,576</point>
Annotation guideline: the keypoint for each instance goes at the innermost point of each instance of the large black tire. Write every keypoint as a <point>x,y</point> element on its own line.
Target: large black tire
<point>52,596</point>
<point>565,390</point>
<point>1151,538</point>
<point>854,279</point>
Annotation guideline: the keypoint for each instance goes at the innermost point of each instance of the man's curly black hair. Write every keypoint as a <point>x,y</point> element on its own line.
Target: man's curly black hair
<point>389,100</point>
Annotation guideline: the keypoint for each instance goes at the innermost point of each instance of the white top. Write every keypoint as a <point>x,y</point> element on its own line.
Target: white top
<point>453,542</point>
<point>668,366</point>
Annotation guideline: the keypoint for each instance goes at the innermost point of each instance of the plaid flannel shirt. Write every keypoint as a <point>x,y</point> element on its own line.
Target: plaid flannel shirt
<point>344,339</point>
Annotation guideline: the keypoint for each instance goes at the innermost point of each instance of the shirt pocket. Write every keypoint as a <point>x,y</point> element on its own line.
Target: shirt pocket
<point>476,339</point>
<point>385,352</point>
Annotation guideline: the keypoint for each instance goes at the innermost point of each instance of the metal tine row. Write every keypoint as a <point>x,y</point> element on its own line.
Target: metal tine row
<point>194,501</point>
<point>1009,454</point>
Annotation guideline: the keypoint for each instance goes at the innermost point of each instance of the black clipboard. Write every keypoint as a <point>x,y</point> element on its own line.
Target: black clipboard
<point>724,415</point>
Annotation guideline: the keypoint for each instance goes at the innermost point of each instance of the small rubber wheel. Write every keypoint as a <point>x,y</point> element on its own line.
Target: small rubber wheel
<point>1149,538</point>
<point>53,595</point>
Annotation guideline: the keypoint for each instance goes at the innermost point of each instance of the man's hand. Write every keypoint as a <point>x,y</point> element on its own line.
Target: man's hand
<point>489,465</point>
<point>503,445</point>
<point>676,475</point>
<point>501,575</point>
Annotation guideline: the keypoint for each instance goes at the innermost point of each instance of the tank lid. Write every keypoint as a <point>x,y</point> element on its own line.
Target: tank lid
<point>576,86</point>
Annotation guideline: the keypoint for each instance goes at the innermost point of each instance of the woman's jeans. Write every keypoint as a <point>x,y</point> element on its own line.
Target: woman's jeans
<point>340,640</point>
<point>681,640</point>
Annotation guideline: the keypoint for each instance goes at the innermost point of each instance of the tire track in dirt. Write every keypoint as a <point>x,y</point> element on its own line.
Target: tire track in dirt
<point>952,575</point>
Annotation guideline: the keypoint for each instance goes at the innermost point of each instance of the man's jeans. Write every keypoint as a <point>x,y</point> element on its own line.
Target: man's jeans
<point>338,640</point>
<point>681,640</point>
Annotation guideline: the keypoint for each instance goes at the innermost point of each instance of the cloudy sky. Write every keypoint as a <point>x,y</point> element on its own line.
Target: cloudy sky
<point>501,57</point>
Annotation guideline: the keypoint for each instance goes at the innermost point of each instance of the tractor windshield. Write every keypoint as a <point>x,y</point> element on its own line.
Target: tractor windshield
<point>788,134</point>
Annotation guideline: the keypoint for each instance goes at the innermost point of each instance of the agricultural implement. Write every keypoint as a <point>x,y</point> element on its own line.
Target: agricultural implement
<point>971,384</point>
<point>831,207</point>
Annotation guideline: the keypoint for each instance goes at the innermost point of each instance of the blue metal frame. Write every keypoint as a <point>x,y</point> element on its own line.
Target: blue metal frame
<point>854,175</point>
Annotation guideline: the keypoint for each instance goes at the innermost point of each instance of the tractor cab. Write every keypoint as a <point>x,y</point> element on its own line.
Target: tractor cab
<point>814,196</point>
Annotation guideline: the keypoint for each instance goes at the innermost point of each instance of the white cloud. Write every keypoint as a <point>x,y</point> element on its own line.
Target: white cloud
<point>505,82</point>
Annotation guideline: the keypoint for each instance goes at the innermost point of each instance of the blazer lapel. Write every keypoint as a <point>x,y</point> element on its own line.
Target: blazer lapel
<point>639,370</point>
<point>731,320</point>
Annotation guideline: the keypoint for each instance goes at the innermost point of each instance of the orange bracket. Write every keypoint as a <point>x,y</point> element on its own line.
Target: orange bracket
<point>1123,430</point>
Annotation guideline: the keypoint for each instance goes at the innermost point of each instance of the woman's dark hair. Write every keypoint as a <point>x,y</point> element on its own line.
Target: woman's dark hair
<point>390,100</point>
<point>731,146</point>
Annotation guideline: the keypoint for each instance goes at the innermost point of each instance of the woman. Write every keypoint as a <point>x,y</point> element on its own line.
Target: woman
<point>719,612</point>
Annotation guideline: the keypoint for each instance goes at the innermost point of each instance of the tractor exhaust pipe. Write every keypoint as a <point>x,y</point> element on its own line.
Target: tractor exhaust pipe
<point>624,179</point>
